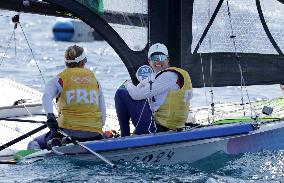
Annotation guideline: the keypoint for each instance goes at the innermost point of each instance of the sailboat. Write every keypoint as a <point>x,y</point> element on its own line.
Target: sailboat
<point>217,45</point>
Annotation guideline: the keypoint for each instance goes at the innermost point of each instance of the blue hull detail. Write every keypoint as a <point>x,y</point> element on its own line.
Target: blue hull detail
<point>170,137</point>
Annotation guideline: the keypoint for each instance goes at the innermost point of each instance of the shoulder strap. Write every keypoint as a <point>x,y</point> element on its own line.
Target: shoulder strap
<point>180,80</point>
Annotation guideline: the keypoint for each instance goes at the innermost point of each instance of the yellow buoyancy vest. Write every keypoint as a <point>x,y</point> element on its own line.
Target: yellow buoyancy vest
<point>79,101</point>
<point>174,111</point>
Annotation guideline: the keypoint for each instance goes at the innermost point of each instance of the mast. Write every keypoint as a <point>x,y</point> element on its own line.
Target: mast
<point>170,24</point>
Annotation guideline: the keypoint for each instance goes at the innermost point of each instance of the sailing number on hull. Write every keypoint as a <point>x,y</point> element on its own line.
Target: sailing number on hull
<point>153,158</point>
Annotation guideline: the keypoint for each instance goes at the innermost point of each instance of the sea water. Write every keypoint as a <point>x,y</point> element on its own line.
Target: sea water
<point>35,65</point>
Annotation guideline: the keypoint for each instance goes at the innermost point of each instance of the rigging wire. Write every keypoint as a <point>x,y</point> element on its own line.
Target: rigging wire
<point>243,84</point>
<point>13,35</point>
<point>8,46</point>
<point>32,53</point>
<point>211,71</point>
<point>14,129</point>
<point>211,79</point>
<point>149,101</point>
<point>15,42</point>
<point>211,89</point>
<point>41,74</point>
<point>204,84</point>
<point>16,22</point>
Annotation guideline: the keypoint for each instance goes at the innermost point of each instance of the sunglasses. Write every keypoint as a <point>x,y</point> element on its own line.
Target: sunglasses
<point>159,58</point>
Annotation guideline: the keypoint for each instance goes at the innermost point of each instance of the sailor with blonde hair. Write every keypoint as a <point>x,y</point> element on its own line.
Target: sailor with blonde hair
<point>80,101</point>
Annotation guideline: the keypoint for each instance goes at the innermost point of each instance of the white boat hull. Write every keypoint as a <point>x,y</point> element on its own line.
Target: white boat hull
<point>267,137</point>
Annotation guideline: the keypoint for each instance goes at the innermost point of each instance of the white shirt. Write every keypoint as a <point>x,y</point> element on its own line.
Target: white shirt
<point>160,87</point>
<point>53,90</point>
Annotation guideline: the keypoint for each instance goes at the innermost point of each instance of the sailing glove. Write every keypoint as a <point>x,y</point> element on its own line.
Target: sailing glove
<point>68,139</point>
<point>52,122</point>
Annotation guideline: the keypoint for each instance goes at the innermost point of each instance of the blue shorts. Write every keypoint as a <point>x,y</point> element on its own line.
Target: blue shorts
<point>127,108</point>
<point>40,142</point>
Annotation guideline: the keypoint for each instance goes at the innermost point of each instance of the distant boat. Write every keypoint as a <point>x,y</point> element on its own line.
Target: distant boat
<point>74,31</point>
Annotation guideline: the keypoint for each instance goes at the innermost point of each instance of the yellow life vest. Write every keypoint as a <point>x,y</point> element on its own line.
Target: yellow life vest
<point>174,111</point>
<point>79,101</point>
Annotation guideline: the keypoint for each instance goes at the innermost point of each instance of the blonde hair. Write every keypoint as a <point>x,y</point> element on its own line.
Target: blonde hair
<point>71,53</point>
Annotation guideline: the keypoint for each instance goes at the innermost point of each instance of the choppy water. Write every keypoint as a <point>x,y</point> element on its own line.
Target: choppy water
<point>256,167</point>
<point>20,65</point>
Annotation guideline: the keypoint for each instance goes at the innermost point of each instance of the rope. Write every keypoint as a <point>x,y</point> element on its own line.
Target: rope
<point>243,84</point>
<point>153,112</point>
<point>140,116</point>
<point>152,116</point>
<point>203,79</point>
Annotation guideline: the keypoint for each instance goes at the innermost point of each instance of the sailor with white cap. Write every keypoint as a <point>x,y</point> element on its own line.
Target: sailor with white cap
<point>160,104</point>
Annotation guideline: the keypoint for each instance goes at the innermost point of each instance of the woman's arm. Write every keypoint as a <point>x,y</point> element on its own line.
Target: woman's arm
<point>52,90</point>
<point>163,83</point>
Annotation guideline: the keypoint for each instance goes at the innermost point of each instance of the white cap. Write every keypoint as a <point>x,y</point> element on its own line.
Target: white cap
<point>158,47</point>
